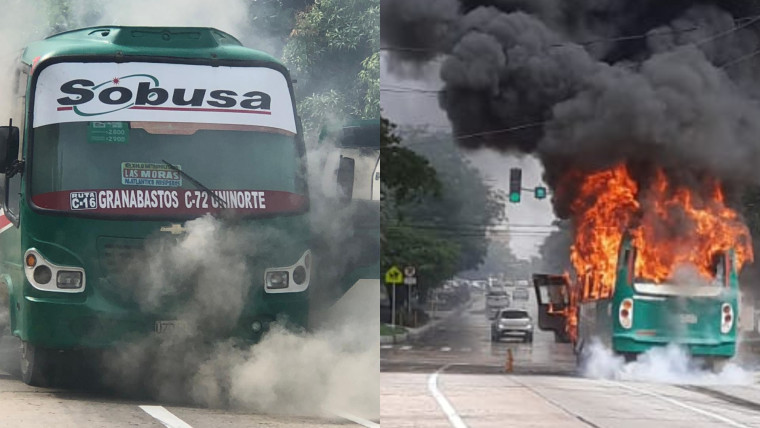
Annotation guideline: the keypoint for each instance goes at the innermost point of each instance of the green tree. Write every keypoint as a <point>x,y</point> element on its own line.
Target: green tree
<point>466,206</point>
<point>436,208</point>
<point>406,174</point>
<point>333,51</point>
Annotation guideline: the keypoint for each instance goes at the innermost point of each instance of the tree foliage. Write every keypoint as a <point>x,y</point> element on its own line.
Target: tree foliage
<point>436,208</point>
<point>406,174</point>
<point>466,206</point>
<point>333,51</point>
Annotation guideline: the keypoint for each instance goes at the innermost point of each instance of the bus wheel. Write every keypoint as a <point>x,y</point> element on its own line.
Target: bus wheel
<point>35,365</point>
<point>717,364</point>
<point>628,357</point>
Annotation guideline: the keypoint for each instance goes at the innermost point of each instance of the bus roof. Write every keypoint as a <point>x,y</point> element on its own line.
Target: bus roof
<point>182,42</point>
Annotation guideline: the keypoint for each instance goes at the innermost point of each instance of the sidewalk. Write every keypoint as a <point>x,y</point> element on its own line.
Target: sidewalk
<point>413,333</point>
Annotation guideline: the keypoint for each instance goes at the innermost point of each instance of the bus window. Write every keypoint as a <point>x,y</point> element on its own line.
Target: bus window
<point>13,192</point>
<point>727,270</point>
<point>630,264</point>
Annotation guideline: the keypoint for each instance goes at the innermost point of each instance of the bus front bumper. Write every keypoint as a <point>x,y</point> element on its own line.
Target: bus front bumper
<point>57,325</point>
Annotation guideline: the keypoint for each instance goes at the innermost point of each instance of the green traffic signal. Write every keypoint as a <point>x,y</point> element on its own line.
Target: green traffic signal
<point>515,185</point>
<point>540,192</point>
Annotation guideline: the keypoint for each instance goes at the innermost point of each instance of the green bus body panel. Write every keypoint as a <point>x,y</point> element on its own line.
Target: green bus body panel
<point>657,319</point>
<point>174,42</point>
<point>660,320</point>
<point>97,318</point>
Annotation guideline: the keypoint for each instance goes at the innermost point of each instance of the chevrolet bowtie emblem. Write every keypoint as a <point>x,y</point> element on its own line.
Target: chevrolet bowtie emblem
<point>174,229</point>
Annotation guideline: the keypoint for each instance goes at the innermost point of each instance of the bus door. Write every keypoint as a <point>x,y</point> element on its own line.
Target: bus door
<point>553,298</point>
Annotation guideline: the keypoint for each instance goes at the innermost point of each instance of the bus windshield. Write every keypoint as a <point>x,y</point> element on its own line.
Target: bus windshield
<point>166,140</point>
<point>251,171</point>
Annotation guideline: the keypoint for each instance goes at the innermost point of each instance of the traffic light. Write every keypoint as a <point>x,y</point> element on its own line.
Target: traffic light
<point>540,192</point>
<point>515,185</point>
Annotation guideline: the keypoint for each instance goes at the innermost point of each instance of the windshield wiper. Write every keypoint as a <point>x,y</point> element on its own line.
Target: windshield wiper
<point>197,184</point>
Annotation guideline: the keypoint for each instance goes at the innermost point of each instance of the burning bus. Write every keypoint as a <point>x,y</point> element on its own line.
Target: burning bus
<point>637,282</point>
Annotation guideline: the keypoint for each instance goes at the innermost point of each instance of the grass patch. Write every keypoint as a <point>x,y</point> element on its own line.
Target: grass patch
<point>386,330</point>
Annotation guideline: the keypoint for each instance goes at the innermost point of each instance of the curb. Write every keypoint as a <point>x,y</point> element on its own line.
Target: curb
<point>388,340</point>
<point>417,332</point>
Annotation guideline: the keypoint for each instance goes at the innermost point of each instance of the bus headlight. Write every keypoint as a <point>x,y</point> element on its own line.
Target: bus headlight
<point>277,279</point>
<point>289,279</point>
<point>726,318</point>
<point>69,279</point>
<point>40,273</point>
<point>625,313</point>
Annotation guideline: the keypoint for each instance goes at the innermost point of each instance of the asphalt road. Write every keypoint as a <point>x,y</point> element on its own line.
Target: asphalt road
<point>80,405</point>
<point>84,404</point>
<point>463,340</point>
<point>454,376</point>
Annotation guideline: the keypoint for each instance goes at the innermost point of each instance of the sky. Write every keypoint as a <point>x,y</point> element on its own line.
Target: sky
<point>419,108</point>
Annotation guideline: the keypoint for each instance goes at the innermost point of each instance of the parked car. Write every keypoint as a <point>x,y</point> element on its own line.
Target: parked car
<point>512,322</point>
<point>496,299</point>
<point>520,293</point>
<point>480,285</point>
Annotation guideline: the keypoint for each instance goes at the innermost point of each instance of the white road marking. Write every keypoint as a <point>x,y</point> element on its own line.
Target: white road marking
<point>386,346</point>
<point>466,349</point>
<point>357,420</point>
<point>447,408</point>
<point>445,349</point>
<point>166,417</point>
<point>406,348</point>
<point>684,405</point>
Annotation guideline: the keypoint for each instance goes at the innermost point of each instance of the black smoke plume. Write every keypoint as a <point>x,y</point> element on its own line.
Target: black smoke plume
<point>589,84</point>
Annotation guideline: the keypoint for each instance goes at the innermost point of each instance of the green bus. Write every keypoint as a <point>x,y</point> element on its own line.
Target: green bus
<point>640,314</point>
<point>121,134</point>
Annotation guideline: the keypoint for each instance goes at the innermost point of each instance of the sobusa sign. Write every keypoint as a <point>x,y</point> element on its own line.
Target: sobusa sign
<point>78,92</point>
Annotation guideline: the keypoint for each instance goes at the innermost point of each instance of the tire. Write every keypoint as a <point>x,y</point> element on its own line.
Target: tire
<point>581,356</point>
<point>528,338</point>
<point>494,338</point>
<point>716,364</point>
<point>35,365</point>
<point>628,357</point>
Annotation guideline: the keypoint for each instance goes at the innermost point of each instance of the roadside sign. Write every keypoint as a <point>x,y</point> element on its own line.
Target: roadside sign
<point>394,276</point>
<point>410,280</point>
<point>409,271</point>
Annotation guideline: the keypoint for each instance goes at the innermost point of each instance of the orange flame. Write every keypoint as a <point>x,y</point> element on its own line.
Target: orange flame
<point>670,226</point>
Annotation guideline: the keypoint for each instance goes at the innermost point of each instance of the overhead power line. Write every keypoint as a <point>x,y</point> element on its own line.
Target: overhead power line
<point>741,22</point>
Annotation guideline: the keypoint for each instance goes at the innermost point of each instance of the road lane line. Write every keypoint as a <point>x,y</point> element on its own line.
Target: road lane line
<point>675,402</point>
<point>166,417</point>
<point>357,420</point>
<point>447,408</point>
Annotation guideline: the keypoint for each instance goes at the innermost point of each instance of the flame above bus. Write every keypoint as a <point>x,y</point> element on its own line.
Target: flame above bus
<point>670,225</point>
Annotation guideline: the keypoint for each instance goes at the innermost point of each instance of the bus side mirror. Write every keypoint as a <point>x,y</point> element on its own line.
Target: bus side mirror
<point>8,147</point>
<point>346,178</point>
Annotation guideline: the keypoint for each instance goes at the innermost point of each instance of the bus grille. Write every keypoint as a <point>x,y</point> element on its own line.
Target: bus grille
<point>116,255</point>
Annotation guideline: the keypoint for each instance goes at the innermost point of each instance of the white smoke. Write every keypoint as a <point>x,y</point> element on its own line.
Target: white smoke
<point>668,364</point>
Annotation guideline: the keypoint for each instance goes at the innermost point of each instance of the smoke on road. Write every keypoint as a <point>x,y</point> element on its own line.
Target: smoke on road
<point>669,364</point>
